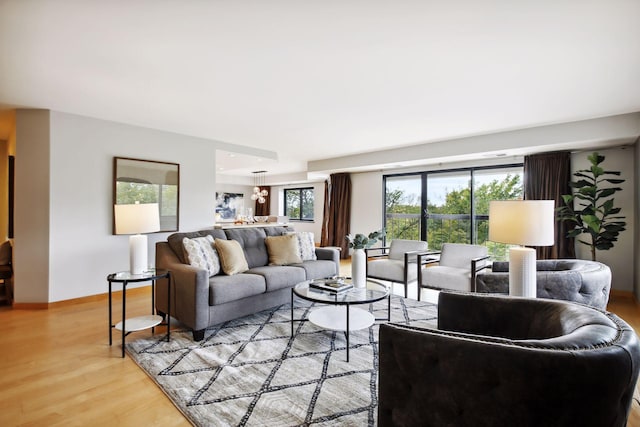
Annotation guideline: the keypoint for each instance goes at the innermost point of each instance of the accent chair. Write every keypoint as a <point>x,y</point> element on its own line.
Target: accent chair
<point>457,268</point>
<point>396,262</point>
<point>508,361</point>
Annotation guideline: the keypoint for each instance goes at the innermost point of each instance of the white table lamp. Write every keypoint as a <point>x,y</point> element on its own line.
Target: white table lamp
<point>522,222</point>
<point>136,219</point>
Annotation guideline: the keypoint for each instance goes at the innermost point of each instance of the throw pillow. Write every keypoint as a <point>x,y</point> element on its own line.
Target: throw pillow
<point>231,255</point>
<point>283,250</point>
<point>200,253</point>
<point>306,243</point>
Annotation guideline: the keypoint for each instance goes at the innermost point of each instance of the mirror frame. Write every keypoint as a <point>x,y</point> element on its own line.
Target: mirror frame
<point>150,171</point>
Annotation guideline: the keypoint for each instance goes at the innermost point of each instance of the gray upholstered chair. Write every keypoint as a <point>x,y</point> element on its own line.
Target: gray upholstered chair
<point>6,272</point>
<point>586,282</point>
<point>396,262</point>
<point>508,361</point>
<point>456,270</point>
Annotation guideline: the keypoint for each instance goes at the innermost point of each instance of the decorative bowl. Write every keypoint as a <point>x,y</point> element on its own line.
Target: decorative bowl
<point>261,218</point>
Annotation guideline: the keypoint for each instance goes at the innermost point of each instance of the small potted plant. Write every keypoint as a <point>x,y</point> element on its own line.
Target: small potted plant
<point>359,243</point>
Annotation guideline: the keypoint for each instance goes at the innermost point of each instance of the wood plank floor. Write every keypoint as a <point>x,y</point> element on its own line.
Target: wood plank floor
<point>57,368</point>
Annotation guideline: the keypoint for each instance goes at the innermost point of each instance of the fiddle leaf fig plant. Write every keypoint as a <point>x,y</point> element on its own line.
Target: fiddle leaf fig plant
<point>590,208</point>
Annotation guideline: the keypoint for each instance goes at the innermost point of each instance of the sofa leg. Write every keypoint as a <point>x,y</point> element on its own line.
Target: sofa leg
<point>198,335</point>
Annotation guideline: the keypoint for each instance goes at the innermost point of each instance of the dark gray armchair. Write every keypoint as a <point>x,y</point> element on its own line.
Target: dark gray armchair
<point>586,282</point>
<point>501,361</point>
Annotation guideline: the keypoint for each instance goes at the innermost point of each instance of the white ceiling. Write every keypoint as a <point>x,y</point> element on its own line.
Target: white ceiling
<point>312,80</point>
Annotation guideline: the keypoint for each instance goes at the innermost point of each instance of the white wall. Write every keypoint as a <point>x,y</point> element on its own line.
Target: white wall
<point>621,257</point>
<point>367,205</point>
<point>78,194</point>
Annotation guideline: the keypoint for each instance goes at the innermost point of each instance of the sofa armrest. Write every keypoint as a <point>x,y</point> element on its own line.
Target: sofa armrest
<point>189,289</point>
<point>329,254</point>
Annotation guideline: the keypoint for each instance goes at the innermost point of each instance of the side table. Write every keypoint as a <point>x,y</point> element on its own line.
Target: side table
<point>142,322</point>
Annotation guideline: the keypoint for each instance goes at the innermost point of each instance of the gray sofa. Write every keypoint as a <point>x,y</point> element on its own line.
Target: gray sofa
<point>199,301</point>
<point>586,282</point>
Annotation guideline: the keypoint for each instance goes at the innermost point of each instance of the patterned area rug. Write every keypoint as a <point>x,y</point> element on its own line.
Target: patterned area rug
<point>251,372</point>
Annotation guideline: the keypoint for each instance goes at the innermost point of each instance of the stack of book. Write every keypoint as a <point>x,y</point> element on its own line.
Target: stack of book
<point>331,285</point>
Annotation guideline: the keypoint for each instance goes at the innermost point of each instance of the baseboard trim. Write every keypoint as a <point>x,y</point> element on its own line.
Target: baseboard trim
<point>30,305</point>
<point>76,301</point>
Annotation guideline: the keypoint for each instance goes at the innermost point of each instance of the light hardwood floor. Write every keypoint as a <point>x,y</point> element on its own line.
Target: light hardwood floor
<point>57,368</point>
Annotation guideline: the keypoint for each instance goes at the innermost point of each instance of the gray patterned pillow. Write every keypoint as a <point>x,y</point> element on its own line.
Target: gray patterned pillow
<point>307,245</point>
<point>201,253</point>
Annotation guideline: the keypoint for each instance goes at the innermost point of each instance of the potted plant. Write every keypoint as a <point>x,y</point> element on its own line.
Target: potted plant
<point>594,213</point>
<point>358,258</point>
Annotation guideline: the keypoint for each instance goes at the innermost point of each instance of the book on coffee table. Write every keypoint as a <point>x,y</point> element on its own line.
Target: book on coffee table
<point>331,285</point>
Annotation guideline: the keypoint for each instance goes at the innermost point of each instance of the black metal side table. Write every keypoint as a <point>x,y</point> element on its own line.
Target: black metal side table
<point>142,322</point>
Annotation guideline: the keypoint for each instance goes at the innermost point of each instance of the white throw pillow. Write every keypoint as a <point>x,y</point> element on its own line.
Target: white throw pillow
<point>201,253</point>
<point>307,245</point>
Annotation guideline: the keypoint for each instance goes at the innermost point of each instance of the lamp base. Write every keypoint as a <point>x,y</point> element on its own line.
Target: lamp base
<point>522,272</point>
<point>138,259</point>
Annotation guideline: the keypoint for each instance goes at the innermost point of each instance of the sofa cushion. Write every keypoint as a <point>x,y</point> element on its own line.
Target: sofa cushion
<point>200,253</point>
<point>451,278</point>
<point>391,269</point>
<point>280,276</point>
<point>231,255</point>
<point>252,242</point>
<point>283,250</point>
<point>223,289</point>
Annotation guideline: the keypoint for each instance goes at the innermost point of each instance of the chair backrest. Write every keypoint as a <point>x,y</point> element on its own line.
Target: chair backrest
<point>398,248</point>
<point>459,255</point>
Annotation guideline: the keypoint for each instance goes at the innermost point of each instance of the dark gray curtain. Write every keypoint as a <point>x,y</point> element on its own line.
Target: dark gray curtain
<point>337,212</point>
<point>547,177</point>
<point>263,209</point>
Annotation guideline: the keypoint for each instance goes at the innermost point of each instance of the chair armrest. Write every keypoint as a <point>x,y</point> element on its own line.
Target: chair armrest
<point>368,251</point>
<point>423,259</point>
<point>189,289</point>
<point>475,268</point>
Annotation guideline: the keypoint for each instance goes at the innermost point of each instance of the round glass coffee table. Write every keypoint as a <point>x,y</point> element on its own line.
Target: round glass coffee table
<point>338,315</point>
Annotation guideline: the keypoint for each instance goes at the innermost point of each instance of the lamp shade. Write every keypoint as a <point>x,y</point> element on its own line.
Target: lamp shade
<point>137,218</point>
<point>522,222</point>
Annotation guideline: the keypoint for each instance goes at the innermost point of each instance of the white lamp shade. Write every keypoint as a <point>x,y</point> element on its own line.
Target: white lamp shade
<point>522,222</point>
<point>137,218</point>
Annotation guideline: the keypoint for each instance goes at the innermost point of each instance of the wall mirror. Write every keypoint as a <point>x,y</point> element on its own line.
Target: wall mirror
<point>147,181</point>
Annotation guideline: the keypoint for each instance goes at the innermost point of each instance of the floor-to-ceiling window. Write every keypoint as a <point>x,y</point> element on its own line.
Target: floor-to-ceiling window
<point>448,206</point>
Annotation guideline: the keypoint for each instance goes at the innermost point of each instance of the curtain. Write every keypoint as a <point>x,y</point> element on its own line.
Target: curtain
<point>337,212</point>
<point>547,177</point>
<point>263,209</point>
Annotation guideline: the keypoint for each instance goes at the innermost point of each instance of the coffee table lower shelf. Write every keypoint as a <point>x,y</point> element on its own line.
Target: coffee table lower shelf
<point>335,318</point>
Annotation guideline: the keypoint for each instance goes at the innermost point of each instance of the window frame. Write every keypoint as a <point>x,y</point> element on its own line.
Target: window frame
<point>299,190</point>
<point>425,215</point>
